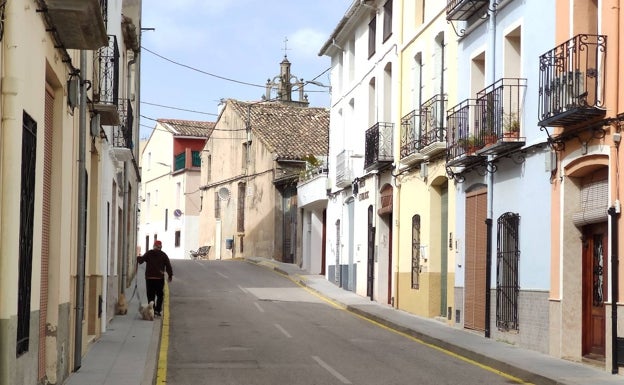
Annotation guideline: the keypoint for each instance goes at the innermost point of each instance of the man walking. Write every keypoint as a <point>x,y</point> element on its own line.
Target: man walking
<point>157,264</point>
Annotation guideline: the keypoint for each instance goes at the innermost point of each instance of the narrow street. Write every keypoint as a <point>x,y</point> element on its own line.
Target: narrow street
<point>232,322</point>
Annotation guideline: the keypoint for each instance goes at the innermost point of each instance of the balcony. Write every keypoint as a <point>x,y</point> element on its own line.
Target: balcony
<point>106,82</point>
<point>344,169</point>
<point>78,24</point>
<point>462,143</point>
<point>187,160</point>
<point>378,150</point>
<point>312,187</point>
<point>122,134</point>
<point>572,82</point>
<point>464,9</point>
<point>410,138</point>
<point>433,140</point>
<point>499,116</point>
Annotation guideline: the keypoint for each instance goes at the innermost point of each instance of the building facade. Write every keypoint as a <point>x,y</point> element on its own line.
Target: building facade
<point>364,56</point>
<point>170,179</point>
<point>69,175</point>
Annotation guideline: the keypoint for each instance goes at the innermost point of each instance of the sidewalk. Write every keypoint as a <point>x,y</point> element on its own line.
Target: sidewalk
<point>126,353</point>
<point>534,367</point>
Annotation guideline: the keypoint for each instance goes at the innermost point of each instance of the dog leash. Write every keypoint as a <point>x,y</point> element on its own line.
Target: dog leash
<point>136,284</point>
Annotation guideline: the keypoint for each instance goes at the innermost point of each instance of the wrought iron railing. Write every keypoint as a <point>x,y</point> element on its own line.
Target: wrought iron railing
<point>572,81</point>
<point>410,134</point>
<point>433,127</point>
<point>500,110</point>
<point>464,9</point>
<point>378,144</point>
<point>106,73</point>
<point>461,123</point>
<point>122,134</point>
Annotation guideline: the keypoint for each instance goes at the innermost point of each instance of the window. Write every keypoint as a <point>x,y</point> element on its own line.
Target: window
<point>147,244</point>
<point>241,208</point>
<point>217,206</point>
<point>26,230</point>
<point>166,219</point>
<point>387,27</point>
<point>208,167</point>
<point>178,194</point>
<point>372,30</point>
<point>415,251</point>
<point>507,287</point>
<point>177,238</point>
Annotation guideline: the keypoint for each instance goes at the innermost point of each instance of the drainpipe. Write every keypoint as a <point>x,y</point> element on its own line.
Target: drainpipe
<point>613,213</point>
<point>82,196</point>
<point>490,177</point>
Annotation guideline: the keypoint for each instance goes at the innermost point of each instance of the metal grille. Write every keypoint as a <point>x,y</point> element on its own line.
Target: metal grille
<point>378,144</point>
<point>433,118</point>
<point>415,251</point>
<point>27,208</point>
<point>240,215</point>
<point>106,73</point>
<point>507,287</point>
<point>410,135</point>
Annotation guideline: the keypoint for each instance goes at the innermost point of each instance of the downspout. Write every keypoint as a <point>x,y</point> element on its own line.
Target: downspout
<point>614,213</point>
<point>490,177</point>
<point>82,196</point>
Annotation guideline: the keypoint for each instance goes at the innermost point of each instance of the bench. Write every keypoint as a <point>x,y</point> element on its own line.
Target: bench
<point>202,252</point>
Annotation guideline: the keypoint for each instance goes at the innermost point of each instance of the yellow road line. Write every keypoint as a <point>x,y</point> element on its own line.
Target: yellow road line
<point>161,372</point>
<point>403,334</point>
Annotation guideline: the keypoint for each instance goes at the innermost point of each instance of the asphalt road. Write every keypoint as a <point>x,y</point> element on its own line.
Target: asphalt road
<point>232,322</point>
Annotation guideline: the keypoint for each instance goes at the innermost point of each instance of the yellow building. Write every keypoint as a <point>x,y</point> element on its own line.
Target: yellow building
<point>425,251</point>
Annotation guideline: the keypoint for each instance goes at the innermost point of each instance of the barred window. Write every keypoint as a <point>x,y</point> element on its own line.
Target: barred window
<point>415,251</point>
<point>507,261</point>
<point>217,204</point>
<point>242,187</point>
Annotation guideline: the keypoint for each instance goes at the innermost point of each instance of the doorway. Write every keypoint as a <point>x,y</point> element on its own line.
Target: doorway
<point>595,273</point>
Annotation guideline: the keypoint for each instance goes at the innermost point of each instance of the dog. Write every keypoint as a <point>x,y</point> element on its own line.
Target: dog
<point>121,307</point>
<point>147,311</point>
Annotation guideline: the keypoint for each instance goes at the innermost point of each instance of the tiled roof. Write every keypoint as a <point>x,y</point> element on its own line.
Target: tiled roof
<point>288,131</point>
<point>188,127</point>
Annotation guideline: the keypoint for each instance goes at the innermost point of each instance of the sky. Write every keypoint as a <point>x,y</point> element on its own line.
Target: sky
<point>195,45</point>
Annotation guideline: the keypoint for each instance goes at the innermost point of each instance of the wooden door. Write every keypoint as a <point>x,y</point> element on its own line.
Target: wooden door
<point>475,260</point>
<point>595,284</point>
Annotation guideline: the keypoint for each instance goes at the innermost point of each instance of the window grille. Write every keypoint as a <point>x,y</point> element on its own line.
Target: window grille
<point>507,259</point>
<point>177,238</point>
<point>241,208</point>
<point>415,251</point>
<point>27,209</point>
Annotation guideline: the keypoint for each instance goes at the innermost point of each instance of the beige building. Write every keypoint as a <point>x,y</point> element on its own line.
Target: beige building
<point>68,179</point>
<point>251,166</point>
<point>170,179</point>
<point>425,209</point>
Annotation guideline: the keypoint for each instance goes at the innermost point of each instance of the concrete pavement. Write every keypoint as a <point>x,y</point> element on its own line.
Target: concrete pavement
<point>127,353</point>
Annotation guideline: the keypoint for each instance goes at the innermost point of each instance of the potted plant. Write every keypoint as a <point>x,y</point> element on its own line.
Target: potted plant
<point>511,126</point>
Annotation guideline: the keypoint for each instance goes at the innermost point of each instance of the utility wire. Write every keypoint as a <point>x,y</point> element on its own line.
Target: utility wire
<point>201,71</point>
<point>179,109</point>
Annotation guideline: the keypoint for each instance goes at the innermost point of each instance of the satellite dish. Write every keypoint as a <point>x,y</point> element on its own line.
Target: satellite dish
<point>224,193</point>
<point>177,213</point>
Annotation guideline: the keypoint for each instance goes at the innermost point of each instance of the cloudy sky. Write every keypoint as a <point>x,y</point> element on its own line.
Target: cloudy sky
<point>202,51</point>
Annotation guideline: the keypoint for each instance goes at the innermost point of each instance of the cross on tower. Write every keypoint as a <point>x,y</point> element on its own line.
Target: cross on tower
<point>286,46</point>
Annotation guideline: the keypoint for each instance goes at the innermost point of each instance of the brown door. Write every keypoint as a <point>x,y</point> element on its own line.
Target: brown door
<point>595,253</point>
<point>475,260</point>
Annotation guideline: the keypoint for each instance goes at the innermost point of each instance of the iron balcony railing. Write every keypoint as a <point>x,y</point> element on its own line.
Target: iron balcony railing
<point>464,9</point>
<point>462,122</point>
<point>572,81</point>
<point>106,82</point>
<point>499,118</point>
<point>344,168</point>
<point>410,134</point>
<point>432,125</point>
<point>378,146</point>
<point>122,134</point>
